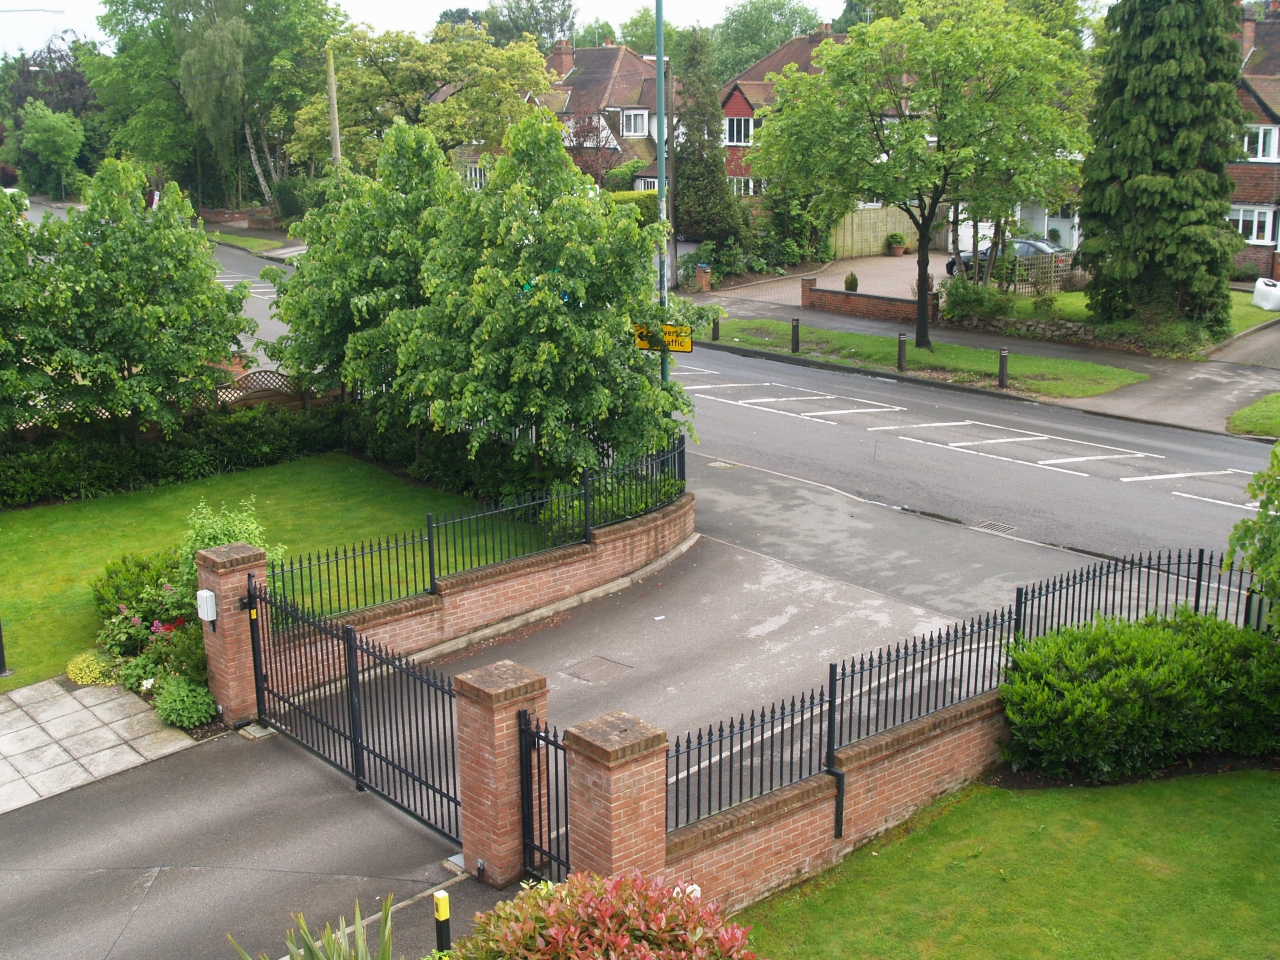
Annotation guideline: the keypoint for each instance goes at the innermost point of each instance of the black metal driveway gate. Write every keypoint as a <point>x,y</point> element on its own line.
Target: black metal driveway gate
<point>544,800</point>
<point>386,722</point>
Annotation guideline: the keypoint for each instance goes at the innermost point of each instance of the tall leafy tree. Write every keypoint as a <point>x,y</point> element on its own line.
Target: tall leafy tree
<point>44,148</point>
<point>594,34</point>
<point>123,314</point>
<point>531,287</point>
<point>753,28</point>
<point>705,208</point>
<point>906,111</point>
<point>1156,189</point>
<point>640,33</point>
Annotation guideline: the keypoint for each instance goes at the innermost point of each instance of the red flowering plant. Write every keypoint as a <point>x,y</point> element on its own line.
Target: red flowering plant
<point>589,917</point>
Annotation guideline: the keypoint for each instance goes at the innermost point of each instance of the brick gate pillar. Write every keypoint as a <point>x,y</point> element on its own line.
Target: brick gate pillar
<point>806,290</point>
<point>225,570</point>
<point>489,700</point>
<point>617,771</point>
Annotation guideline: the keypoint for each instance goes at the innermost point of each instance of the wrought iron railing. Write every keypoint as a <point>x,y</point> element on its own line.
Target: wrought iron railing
<point>409,564</point>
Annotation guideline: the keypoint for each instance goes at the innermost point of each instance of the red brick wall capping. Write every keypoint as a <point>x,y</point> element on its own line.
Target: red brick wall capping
<point>232,556</point>
<point>614,738</point>
<point>499,683</point>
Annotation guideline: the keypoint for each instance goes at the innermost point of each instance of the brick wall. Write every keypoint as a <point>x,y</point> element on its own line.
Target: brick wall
<point>471,601</point>
<point>861,304</point>
<point>741,855</point>
<point>1255,183</point>
<point>1263,257</point>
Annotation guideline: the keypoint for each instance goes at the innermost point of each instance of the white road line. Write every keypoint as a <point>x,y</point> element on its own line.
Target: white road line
<point>722,386</point>
<point>1105,456</point>
<point>785,413</point>
<point>1225,503</point>
<point>1247,473</point>
<point>975,443</point>
<point>917,426</point>
<point>979,453</point>
<point>1050,436</point>
<point>832,413</point>
<point>1179,476</point>
<point>787,399</point>
<point>687,369</point>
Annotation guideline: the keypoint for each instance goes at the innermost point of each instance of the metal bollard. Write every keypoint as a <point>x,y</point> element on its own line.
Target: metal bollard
<point>715,329</point>
<point>795,336</point>
<point>902,353</point>
<point>1004,367</point>
<point>444,943</point>
<point>4,670</point>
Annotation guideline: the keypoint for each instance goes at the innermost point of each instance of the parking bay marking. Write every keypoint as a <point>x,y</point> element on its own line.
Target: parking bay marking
<point>993,456</point>
<point>1225,503</point>
<point>1179,476</point>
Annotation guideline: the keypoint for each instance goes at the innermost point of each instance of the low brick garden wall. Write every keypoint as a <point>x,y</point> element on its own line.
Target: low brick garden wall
<point>866,305</point>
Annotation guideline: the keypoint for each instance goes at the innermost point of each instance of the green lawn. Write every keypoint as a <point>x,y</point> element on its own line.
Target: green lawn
<point>252,244</point>
<point>1260,418</point>
<point>1184,868</point>
<point>1074,307</point>
<point>49,555</point>
<point>1037,375</point>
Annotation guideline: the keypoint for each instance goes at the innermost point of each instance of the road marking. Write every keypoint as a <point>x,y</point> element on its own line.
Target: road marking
<point>1179,476</point>
<point>826,396</point>
<point>979,453</point>
<point>695,370</point>
<point>722,386</point>
<point>1105,456</point>
<point>1225,503</point>
<point>1050,436</point>
<point>975,443</point>
<point>916,426</point>
<point>832,413</point>
<point>785,413</point>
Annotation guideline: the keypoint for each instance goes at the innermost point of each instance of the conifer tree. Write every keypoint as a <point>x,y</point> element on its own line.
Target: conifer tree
<point>1156,191</point>
<point>705,208</point>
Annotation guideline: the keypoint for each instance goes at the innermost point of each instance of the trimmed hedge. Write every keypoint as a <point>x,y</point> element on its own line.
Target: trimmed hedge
<point>646,200</point>
<point>1120,699</point>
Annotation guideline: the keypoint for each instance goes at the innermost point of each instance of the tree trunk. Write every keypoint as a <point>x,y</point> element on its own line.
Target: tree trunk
<point>272,164</point>
<point>257,167</point>
<point>993,251</point>
<point>955,235</point>
<point>923,294</point>
<point>973,254</point>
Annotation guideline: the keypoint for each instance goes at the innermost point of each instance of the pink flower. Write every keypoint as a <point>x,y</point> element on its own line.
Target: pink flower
<point>156,626</point>
<point>137,622</point>
<point>123,608</point>
<point>165,587</point>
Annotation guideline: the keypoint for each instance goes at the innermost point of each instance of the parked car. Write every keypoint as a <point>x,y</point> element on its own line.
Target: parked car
<point>1022,248</point>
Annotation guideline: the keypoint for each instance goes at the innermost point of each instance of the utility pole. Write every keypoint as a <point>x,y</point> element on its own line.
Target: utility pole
<point>662,174</point>
<point>333,107</point>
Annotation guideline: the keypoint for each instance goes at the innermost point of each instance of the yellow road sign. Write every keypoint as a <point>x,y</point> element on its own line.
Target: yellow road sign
<point>679,339</point>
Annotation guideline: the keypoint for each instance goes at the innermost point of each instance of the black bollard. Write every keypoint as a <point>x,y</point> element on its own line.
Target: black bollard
<point>715,329</point>
<point>795,336</point>
<point>1004,367</point>
<point>444,943</point>
<point>4,670</point>
<point>902,353</point>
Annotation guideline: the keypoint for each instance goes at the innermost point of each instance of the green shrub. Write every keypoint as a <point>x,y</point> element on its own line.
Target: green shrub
<point>625,918</point>
<point>1116,699</point>
<point>91,667</point>
<point>141,596</point>
<point>181,703</point>
<point>896,239</point>
<point>851,282</point>
<point>621,178</point>
<point>334,945</point>
<point>645,200</point>
<point>961,299</point>
<point>1054,234</point>
<point>1245,273</point>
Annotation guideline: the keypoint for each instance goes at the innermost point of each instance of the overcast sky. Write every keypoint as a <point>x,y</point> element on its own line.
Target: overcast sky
<point>30,31</point>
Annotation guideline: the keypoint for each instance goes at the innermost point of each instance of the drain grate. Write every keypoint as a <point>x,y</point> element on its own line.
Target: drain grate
<point>597,670</point>
<point>995,527</point>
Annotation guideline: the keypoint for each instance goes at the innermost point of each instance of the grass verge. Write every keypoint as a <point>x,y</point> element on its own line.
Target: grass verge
<point>1175,868</point>
<point>1041,376</point>
<point>49,555</point>
<point>1260,418</point>
<point>1074,307</point>
<point>252,244</point>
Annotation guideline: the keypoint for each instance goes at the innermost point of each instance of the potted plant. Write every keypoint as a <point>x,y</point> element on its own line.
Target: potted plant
<point>897,243</point>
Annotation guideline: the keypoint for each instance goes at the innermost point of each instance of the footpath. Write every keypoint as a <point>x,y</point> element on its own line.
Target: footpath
<point>1184,393</point>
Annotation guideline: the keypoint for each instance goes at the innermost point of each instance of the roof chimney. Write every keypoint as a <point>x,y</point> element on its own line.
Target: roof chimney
<point>1247,33</point>
<point>561,60</point>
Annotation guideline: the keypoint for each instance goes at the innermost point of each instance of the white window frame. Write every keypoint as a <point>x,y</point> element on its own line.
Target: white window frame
<point>1242,215</point>
<point>743,186</point>
<point>1262,143</point>
<point>645,183</point>
<point>630,128</point>
<point>736,128</point>
<point>477,176</point>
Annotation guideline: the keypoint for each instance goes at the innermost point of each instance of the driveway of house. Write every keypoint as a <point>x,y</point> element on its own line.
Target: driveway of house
<point>882,276</point>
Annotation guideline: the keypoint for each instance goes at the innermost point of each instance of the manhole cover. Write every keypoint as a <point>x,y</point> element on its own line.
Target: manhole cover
<point>597,670</point>
<point>995,527</point>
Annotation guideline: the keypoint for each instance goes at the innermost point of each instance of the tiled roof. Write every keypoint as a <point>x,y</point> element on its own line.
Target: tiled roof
<point>799,51</point>
<point>606,77</point>
<point>1266,92</point>
<point>1264,59</point>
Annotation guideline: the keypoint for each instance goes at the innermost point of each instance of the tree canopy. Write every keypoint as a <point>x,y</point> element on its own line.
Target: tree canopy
<point>753,28</point>
<point>909,109</point>
<point>1156,193</point>
<point>45,148</point>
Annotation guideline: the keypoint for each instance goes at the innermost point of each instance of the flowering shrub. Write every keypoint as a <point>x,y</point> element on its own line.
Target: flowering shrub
<point>181,703</point>
<point>623,918</point>
<point>90,667</point>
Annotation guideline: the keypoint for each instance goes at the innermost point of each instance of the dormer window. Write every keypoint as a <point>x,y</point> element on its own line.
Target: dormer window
<point>737,131</point>
<point>635,123</point>
<point>1262,143</point>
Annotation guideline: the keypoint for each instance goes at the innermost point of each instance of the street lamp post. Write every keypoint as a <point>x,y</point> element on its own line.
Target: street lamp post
<point>662,173</point>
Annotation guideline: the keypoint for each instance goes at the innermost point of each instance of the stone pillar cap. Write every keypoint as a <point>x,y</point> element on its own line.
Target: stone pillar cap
<point>498,683</point>
<point>615,738</point>
<point>230,556</point>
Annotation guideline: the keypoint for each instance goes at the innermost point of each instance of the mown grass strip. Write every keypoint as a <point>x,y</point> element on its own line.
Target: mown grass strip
<point>252,244</point>
<point>1260,418</point>
<point>1041,376</point>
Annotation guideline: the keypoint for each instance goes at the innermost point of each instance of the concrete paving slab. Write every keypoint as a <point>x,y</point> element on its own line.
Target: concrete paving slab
<point>59,779</point>
<point>7,705</point>
<point>94,695</point>
<point>17,793</point>
<point>51,708</point>
<point>7,773</point>
<point>70,724</point>
<point>138,725</point>
<point>91,741</point>
<point>161,743</point>
<point>23,740</point>
<point>114,759</point>
<point>14,720</point>
<point>119,709</point>
<point>40,759</point>
<point>36,692</point>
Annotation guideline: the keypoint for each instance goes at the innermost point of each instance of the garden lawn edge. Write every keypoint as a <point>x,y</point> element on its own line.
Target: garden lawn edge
<point>957,387</point>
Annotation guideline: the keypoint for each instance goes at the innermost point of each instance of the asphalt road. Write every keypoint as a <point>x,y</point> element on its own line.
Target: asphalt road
<point>1041,472</point>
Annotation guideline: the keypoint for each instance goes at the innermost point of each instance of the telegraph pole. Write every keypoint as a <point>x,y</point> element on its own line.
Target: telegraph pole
<point>662,174</point>
<point>333,107</point>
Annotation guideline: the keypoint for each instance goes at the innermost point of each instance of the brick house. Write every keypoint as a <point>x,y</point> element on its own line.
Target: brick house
<point>607,99</point>
<point>1255,203</point>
